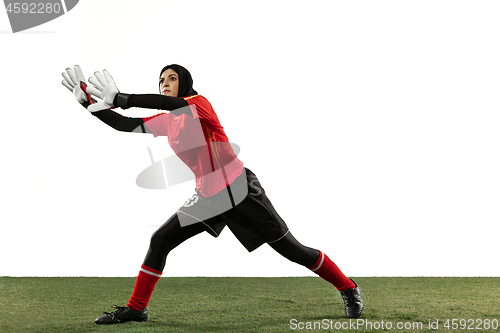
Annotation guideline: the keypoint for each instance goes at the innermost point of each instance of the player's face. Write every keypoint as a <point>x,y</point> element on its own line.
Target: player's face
<point>169,83</point>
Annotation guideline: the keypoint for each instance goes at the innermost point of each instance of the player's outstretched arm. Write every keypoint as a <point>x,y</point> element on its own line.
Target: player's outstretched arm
<point>104,87</point>
<point>176,105</point>
<point>75,82</point>
<point>121,123</point>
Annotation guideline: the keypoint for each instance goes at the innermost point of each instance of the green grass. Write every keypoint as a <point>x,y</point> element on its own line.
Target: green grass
<point>243,304</point>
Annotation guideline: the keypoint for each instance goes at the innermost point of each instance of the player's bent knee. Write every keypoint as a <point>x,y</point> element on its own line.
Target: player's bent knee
<point>160,243</point>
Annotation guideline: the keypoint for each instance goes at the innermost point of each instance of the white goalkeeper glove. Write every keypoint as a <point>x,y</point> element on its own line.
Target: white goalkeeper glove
<point>72,79</point>
<point>104,88</point>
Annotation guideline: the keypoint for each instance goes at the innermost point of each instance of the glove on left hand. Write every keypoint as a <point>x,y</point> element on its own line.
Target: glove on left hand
<point>104,88</point>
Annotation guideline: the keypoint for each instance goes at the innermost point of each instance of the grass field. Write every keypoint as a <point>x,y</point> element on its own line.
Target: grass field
<point>203,304</point>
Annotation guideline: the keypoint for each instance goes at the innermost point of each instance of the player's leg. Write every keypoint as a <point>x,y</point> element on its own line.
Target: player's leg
<point>254,221</point>
<point>319,263</point>
<point>294,251</point>
<point>165,239</point>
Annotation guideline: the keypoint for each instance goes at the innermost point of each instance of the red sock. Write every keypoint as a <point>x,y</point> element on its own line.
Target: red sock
<point>327,269</point>
<point>144,286</point>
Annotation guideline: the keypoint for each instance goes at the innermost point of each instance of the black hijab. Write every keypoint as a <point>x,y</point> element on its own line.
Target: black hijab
<point>185,80</point>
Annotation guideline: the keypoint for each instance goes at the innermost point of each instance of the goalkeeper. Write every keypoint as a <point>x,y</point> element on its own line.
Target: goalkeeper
<point>227,193</point>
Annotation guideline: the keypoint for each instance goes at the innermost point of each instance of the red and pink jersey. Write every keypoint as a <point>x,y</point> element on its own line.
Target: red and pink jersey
<point>200,142</point>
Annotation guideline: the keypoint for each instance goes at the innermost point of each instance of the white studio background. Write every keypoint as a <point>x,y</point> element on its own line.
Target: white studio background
<point>373,126</point>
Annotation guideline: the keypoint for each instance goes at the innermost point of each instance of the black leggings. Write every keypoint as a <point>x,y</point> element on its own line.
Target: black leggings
<point>171,234</point>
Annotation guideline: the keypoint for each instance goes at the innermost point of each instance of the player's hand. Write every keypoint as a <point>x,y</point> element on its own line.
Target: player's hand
<point>72,79</point>
<point>104,87</point>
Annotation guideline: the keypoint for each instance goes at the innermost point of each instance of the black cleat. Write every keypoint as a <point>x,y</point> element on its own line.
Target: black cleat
<point>353,303</point>
<point>121,315</point>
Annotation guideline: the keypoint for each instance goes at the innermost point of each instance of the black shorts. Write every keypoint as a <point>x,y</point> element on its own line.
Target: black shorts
<point>243,206</point>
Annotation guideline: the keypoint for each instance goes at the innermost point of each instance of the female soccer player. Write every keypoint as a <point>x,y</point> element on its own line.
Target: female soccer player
<point>227,192</point>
